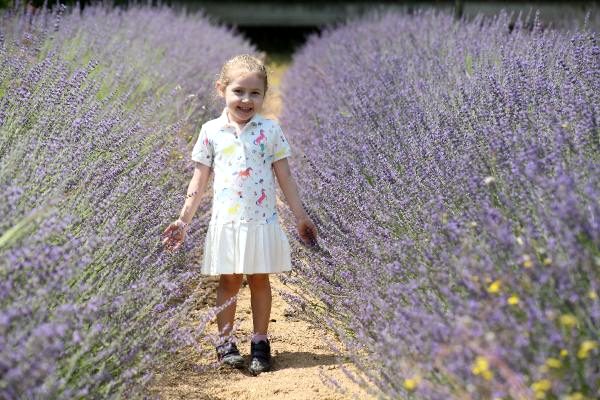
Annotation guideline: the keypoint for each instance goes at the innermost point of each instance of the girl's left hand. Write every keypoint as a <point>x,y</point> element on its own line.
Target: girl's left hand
<point>307,231</point>
<point>174,235</point>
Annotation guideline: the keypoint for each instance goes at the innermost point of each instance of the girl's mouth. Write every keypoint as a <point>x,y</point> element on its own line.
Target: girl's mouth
<point>245,109</point>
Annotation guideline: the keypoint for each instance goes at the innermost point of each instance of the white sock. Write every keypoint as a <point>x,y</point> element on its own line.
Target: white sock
<point>258,337</point>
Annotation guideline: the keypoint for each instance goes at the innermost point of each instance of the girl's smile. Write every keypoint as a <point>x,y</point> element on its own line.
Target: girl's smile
<point>244,96</point>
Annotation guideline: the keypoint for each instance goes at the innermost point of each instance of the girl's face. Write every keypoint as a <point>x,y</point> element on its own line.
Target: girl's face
<point>244,95</point>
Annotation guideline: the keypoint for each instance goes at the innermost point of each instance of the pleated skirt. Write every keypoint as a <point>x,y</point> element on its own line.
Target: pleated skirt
<point>245,248</point>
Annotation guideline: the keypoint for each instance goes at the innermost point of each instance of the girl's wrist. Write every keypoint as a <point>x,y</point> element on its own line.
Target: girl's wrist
<point>182,224</point>
<point>301,215</point>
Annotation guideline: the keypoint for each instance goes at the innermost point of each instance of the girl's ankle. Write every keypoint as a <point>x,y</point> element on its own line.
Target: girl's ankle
<point>258,337</point>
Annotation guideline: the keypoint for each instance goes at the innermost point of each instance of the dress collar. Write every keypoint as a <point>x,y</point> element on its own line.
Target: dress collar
<point>225,123</point>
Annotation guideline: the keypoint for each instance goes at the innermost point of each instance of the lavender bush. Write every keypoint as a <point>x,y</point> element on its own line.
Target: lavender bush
<point>453,169</point>
<point>97,113</point>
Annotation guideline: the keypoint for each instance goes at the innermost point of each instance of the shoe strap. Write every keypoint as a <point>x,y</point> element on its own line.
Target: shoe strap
<point>227,348</point>
<point>261,351</point>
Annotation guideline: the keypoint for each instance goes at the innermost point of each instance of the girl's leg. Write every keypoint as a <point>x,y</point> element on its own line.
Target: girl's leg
<point>260,299</point>
<point>229,285</point>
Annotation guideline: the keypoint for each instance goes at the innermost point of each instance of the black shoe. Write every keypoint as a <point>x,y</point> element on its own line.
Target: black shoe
<point>260,357</point>
<point>229,354</point>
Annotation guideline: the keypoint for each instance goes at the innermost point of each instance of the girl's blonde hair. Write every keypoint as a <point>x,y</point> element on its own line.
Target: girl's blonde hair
<point>245,62</point>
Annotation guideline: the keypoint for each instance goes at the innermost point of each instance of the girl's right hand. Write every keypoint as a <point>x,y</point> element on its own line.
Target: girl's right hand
<point>307,231</point>
<point>174,235</point>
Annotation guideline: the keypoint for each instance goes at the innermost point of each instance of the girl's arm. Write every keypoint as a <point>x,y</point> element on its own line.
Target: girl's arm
<point>195,190</point>
<point>306,228</point>
<point>174,235</point>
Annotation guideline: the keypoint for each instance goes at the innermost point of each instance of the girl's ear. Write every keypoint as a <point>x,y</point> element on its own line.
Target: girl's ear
<point>220,88</point>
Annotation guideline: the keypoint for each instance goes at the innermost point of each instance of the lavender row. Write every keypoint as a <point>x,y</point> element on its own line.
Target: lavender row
<point>97,112</point>
<point>453,169</point>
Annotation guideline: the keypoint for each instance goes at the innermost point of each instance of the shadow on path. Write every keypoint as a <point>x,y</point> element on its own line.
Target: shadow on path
<point>302,359</point>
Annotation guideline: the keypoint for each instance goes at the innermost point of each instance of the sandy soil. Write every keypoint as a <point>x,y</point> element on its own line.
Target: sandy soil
<point>303,365</point>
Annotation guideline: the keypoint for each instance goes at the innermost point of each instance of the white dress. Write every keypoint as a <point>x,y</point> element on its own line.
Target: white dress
<point>244,235</point>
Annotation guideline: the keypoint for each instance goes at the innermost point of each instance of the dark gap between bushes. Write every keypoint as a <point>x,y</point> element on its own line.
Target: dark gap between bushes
<point>278,41</point>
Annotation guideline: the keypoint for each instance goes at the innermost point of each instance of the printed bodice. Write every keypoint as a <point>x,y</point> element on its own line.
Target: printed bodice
<point>244,183</point>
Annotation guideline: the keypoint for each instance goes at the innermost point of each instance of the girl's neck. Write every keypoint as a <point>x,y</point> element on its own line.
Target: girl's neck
<point>239,126</point>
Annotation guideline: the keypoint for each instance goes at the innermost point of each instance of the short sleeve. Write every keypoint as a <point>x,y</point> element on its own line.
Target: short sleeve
<point>203,151</point>
<point>281,147</point>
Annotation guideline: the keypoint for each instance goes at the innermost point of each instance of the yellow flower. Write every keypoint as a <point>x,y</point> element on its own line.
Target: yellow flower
<point>585,347</point>
<point>481,367</point>
<point>564,353</point>
<point>575,396</point>
<point>412,383</point>
<point>592,295</point>
<point>527,263</point>
<point>553,363</point>
<point>480,364</point>
<point>568,320</point>
<point>494,286</point>
<point>542,385</point>
<point>513,300</point>
<point>547,261</point>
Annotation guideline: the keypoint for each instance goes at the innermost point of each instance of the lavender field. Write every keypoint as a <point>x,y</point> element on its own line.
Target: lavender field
<point>454,171</point>
<point>97,112</point>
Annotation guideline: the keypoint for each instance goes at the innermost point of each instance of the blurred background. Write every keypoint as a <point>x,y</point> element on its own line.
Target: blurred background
<point>279,27</point>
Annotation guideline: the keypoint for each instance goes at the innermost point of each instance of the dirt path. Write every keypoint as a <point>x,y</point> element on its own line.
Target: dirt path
<point>303,365</point>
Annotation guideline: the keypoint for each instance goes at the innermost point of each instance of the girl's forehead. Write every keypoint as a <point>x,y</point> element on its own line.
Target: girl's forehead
<point>247,79</point>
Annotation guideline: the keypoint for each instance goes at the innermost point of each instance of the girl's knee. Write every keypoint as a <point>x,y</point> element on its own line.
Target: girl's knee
<point>255,280</point>
<point>231,281</point>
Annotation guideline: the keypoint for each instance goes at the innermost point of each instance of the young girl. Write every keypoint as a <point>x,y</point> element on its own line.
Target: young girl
<point>243,148</point>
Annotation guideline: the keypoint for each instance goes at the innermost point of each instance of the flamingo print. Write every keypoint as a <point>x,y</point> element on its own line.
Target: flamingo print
<point>260,140</point>
<point>262,198</point>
